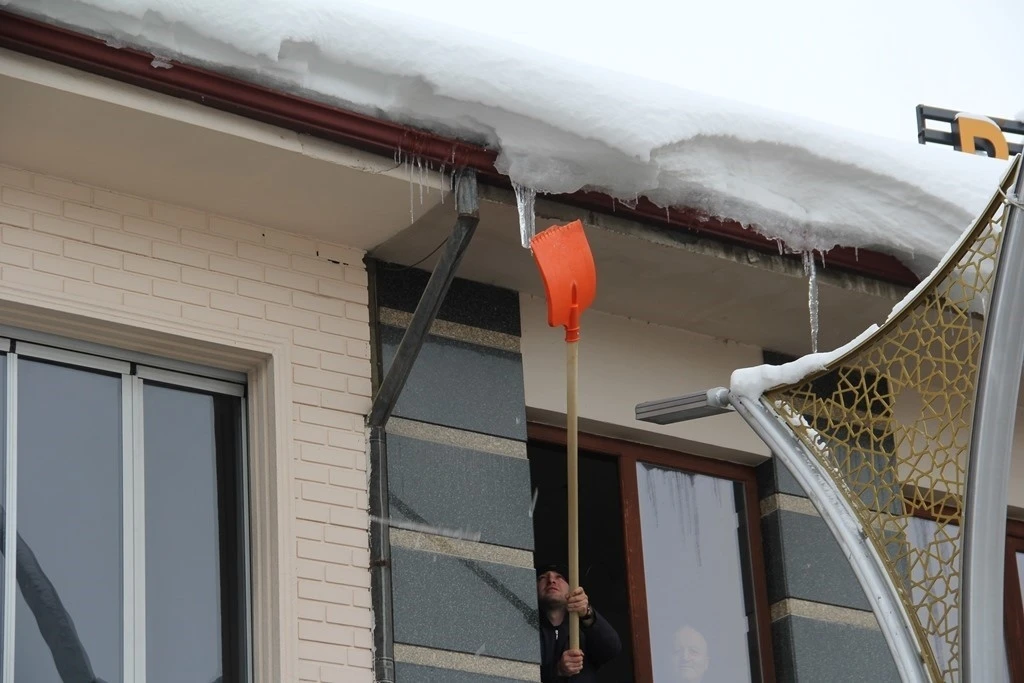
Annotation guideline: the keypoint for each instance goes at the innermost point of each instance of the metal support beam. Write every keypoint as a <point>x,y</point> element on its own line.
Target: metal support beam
<point>466,204</point>
<point>984,530</point>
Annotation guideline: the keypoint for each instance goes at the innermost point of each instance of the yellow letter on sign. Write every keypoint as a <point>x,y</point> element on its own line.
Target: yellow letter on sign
<point>968,129</point>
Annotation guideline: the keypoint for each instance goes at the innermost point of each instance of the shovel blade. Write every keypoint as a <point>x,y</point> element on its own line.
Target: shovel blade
<point>566,265</point>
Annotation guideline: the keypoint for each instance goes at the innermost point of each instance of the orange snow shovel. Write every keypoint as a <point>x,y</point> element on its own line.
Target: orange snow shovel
<point>570,282</point>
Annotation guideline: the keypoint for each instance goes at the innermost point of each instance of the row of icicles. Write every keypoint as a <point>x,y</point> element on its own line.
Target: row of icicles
<point>419,170</point>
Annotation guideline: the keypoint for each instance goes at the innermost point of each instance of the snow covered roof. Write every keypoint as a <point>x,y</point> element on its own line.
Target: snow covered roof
<point>560,126</point>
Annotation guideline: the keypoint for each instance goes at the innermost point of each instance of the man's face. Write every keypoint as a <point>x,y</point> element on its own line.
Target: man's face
<point>690,655</point>
<point>552,589</point>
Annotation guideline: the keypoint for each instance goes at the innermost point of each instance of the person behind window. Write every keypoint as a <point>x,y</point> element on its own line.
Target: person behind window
<point>689,655</point>
<point>599,643</point>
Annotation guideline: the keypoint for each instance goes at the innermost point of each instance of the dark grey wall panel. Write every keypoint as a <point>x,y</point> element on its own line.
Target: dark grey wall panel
<point>468,303</point>
<point>774,477</point>
<point>812,651</point>
<point>461,385</point>
<point>805,562</point>
<point>451,603</point>
<point>458,488</point>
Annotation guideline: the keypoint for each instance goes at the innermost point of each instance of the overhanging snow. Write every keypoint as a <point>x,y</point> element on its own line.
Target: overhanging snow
<point>561,126</point>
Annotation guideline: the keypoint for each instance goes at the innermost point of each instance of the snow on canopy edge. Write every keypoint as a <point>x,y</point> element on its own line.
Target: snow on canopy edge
<point>754,381</point>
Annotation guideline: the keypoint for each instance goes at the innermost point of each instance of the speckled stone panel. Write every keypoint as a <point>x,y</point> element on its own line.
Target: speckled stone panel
<point>812,651</point>
<point>461,385</point>
<point>453,603</point>
<point>456,488</point>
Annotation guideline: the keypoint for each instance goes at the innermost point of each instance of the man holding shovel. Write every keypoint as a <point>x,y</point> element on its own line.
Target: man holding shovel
<point>599,643</point>
<point>570,283</point>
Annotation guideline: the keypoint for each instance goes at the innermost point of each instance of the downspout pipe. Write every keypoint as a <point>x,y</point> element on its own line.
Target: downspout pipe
<point>380,537</point>
<point>380,561</point>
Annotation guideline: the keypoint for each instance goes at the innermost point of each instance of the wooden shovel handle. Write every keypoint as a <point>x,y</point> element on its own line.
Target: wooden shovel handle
<point>572,453</point>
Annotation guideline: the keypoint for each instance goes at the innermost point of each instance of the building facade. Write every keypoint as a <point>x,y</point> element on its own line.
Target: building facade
<point>196,309</point>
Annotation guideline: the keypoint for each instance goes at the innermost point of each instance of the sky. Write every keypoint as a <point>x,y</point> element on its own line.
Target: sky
<point>863,65</point>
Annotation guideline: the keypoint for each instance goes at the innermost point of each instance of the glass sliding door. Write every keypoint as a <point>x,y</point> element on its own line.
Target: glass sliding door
<point>70,607</point>
<point>694,570</point>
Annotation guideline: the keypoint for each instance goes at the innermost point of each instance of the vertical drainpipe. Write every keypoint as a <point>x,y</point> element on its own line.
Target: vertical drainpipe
<point>380,536</point>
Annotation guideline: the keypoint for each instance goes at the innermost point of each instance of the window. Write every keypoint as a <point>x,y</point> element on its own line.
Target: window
<point>124,533</point>
<point>670,554</point>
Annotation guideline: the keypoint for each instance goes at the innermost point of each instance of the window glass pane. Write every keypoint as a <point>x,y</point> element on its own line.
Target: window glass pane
<point>68,622</point>
<point>602,549</point>
<point>694,574</point>
<point>183,598</point>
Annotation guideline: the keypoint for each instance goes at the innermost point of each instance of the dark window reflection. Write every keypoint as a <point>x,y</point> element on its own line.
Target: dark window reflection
<point>602,556</point>
<point>68,621</point>
<point>695,577</point>
<point>183,592</point>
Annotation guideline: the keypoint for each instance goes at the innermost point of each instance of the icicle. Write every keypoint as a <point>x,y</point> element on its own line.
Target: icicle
<point>811,272</point>
<point>442,183</point>
<point>632,204</point>
<point>412,205</point>
<point>779,242</point>
<point>856,253</point>
<point>525,198</point>
<point>419,178</point>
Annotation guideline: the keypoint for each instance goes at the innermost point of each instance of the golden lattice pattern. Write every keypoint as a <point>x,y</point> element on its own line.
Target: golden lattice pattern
<point>891,423</point>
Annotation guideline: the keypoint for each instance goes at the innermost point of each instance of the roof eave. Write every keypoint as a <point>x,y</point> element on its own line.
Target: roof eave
<point>375,135</point>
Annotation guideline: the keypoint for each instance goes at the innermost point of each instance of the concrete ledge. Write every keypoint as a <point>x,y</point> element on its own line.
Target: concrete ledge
<point>457,547</point>
<point>784,501</point>
<point>819,611</point>
<point>450,436</point>
<point>456,331</point>
<point>458,661</point>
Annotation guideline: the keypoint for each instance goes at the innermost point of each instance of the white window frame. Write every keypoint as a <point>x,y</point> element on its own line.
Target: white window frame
<point>134,369</point>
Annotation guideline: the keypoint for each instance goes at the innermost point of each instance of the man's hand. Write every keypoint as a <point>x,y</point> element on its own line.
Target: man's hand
<point>571,663</point>
<point>578,602</point>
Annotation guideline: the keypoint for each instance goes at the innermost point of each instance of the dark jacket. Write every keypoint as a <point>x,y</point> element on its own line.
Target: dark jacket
<point>599,642</point>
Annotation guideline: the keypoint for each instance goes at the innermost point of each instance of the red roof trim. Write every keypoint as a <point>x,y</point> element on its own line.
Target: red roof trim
<point>374,135</point>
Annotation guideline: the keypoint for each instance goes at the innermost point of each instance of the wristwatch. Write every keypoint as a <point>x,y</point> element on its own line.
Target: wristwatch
<point>589,615</point>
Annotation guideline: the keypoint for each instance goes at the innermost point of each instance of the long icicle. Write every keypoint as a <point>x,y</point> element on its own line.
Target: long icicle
<point>811,271</point>
<point>525,200</point>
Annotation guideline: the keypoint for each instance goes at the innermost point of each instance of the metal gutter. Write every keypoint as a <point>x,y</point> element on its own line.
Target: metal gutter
<point>302,115</point>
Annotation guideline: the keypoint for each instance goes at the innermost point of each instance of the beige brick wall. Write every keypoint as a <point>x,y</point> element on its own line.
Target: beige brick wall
<point>139,257</point>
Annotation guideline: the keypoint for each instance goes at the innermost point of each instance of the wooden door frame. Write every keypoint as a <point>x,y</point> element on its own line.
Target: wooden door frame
<point>627,454</point>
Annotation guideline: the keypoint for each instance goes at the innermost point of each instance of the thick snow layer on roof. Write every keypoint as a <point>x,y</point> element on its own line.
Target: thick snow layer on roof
<point>562,126</point>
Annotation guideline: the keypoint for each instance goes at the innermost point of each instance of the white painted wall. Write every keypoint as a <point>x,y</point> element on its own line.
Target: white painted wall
<point>130,263</point>
<point>624,362</point>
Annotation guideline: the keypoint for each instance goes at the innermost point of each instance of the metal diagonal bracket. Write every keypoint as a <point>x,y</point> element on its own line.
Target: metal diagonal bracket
<point>467,206</point>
